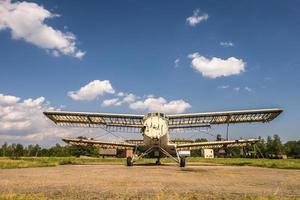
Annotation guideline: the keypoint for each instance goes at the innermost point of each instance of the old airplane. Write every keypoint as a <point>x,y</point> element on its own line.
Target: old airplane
<point>155,128</point>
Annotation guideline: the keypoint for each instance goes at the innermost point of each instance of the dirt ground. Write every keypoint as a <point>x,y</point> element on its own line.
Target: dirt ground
<point>158,182</point>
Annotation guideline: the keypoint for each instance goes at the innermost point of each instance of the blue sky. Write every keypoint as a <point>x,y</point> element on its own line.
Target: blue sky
<point>144,48</point>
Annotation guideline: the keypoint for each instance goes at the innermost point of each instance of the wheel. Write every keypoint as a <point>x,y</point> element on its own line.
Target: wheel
<point>182,162</point>
<point>158,162</point>
<point>129,161</point>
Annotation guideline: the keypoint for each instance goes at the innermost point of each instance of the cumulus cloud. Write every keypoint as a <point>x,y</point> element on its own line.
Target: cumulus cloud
<point>26,21</point>
<point>129,98</point>
<point>24,122</point>
<point>148,103</point>
<point>110,102</point>
<point>34,102</point>
<point>92,90</point>
<point>176,63</point>
<point>120,94</point>
<point>227,44</point>
<point>217,67</point>
<point>196,18</point>
<point>20,115</point>
<point>126,98</point>
<point>8,100</point>
<point>160,105</point>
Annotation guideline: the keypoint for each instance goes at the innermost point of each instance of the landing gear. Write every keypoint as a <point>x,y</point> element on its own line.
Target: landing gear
<point>182,162</point>
<point>158,161</point>
<point>129,161</point>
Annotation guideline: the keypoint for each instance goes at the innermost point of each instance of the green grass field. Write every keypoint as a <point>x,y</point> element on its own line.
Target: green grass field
<point>25,162</point>
<point>270,163</point>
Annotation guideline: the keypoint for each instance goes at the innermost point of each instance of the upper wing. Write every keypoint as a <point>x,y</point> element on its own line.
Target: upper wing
<point>98,143</point>
<point>105,120</point>
<point>216,144</point>
<point>241,116</point>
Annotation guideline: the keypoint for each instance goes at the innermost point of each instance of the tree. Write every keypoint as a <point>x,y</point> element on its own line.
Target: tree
<point>4,149</point>
<point>274,146</point>
<point>277,145</point>
<point>261,146</point>
<point>18,150</point>
<point>292,149</point>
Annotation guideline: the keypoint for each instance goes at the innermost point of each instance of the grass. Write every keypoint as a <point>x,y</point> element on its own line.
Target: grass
<point>25,162</point>
<point>270,163</point>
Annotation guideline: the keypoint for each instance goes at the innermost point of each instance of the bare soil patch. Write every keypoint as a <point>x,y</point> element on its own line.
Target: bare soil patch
<point>146,181</point>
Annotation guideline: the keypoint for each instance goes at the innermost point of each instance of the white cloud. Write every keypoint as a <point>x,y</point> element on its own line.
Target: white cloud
<point>227,44</point>
<point>96,88</point>
<point>34,102</point>
<point>217,67</point>
<point>121,94</point>
<point>110,102</point>
<point>160,105</point>
<point>176,63</point>
<point>26,20</point>
<point>237,89</point>
<point>129,98</point>
<point>20,119</point>
<point>8,100</point>
<point>248,89</point>
<point>196,18</point>
<point>223,86</point>
<point>24,122</point>
<point>92,90</point>
<point>150,95</point>
<point>80,54</point>
<point>18,116</point>
<point>147,103</point>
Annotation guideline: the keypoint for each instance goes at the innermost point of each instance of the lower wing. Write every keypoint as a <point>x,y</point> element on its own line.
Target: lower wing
<point>98,143</point>
<point>216,144</point>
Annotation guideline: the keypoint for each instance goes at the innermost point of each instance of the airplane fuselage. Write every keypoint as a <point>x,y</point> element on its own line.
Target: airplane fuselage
<point>156,132</point>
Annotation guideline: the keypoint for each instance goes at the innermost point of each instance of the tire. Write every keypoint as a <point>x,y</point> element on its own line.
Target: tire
<point>129,161</point>
<point>182,162</point>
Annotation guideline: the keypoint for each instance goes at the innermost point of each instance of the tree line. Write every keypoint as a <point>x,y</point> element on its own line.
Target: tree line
<point>270,146</point>
<point>18,150</point>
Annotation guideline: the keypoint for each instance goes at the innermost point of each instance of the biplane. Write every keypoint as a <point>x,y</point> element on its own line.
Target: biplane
<point>156,127</point>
